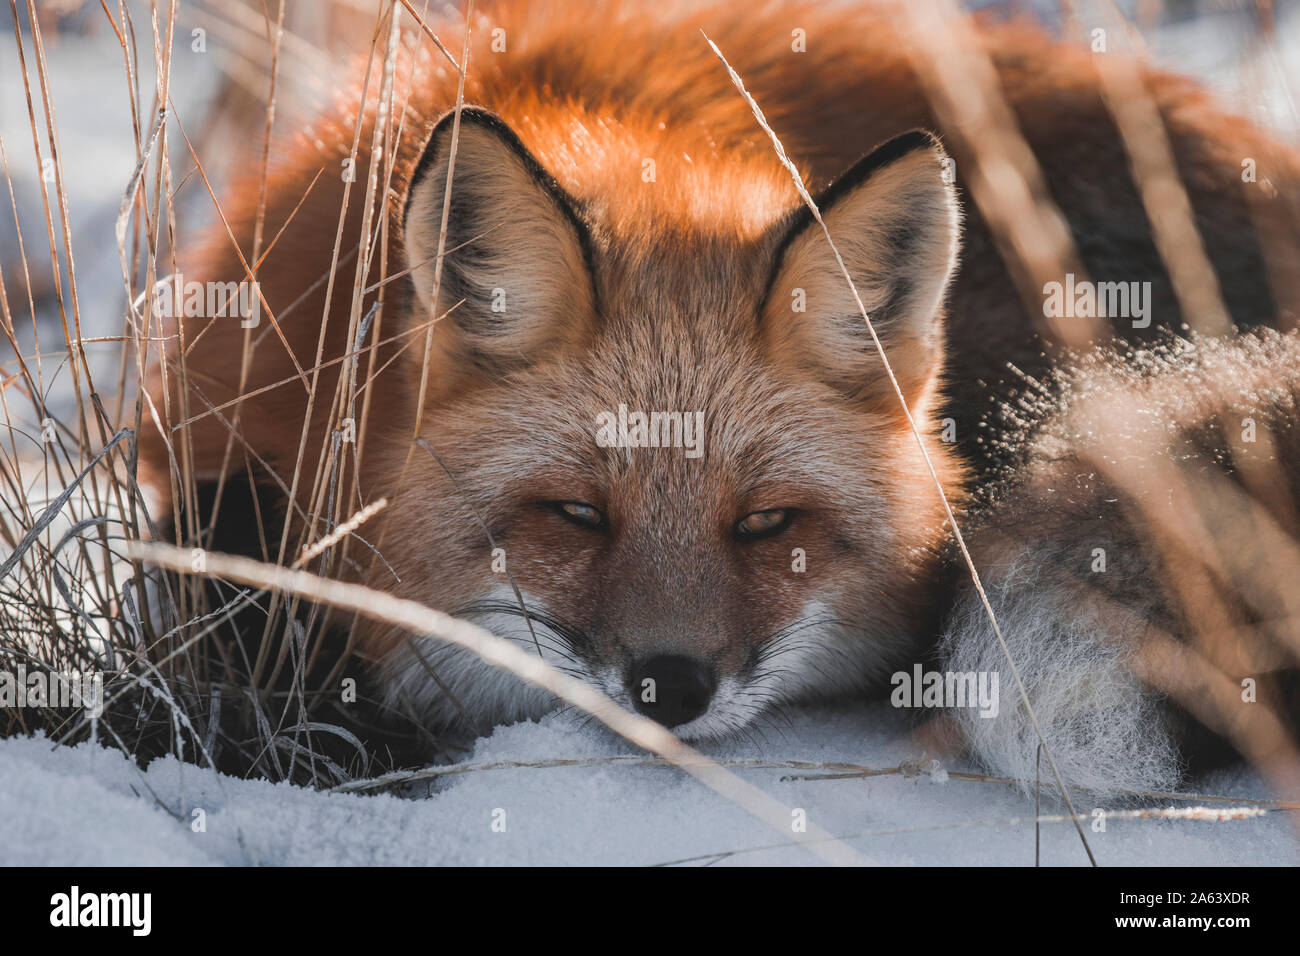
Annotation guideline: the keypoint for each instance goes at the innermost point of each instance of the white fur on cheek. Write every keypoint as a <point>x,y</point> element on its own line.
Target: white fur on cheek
<point>486,695</point>
<point>816,658</point>
<point>819,657</point>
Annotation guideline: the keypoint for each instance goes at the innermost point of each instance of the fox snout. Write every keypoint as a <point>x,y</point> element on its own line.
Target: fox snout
<point>671,689</point>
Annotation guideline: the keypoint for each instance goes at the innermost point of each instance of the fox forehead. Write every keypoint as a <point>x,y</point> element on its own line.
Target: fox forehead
<point>660,292</point>
<point>761,432</point>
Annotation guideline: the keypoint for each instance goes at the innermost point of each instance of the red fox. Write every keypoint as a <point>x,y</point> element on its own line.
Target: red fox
<point>650,402</point>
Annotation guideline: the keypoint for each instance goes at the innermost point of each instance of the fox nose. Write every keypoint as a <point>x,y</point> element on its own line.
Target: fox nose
<point>671,689</point>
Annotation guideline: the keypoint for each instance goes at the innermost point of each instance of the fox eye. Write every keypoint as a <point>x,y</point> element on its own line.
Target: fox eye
<point>763,524</point>
<point>580,513</point>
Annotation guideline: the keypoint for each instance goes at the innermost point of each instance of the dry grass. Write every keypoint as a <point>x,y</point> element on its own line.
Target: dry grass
<point>178,677</point>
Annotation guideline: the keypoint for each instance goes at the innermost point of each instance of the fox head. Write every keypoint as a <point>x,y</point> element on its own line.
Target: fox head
<point>659,445</point>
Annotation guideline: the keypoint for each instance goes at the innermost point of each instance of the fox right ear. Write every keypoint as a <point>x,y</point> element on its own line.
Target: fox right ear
<point>516,275</point>
<point>895,219</point>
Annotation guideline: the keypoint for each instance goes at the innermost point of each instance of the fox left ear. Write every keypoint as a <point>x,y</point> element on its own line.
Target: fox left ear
<point>516,280</point>
<point>895,219</point>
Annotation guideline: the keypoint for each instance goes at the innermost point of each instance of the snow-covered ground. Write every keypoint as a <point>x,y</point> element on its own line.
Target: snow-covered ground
<point>91,806</point>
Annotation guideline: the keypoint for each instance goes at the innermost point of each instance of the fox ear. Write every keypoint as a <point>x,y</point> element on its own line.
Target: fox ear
<point>896,221</point>
<point>516,252</point>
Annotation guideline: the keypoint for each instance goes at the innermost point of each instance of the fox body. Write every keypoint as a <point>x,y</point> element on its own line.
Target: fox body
<point>626,260</point>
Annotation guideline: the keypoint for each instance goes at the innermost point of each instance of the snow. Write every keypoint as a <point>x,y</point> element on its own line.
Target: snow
<point>91,806</point>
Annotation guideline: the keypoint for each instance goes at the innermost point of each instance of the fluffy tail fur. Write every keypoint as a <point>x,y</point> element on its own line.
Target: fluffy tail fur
<point>1143,559</point>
